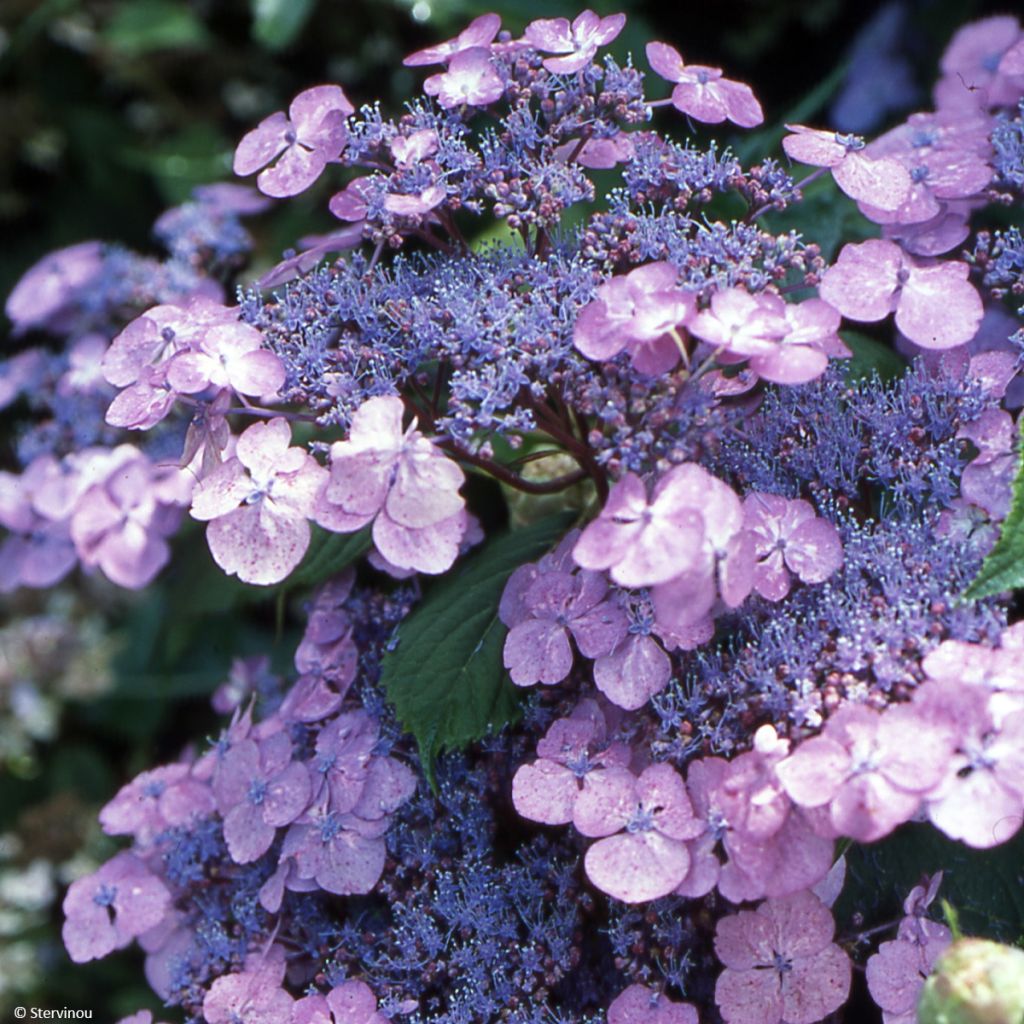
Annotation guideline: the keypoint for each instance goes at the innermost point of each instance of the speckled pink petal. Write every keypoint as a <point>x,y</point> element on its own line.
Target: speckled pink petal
<point>259,146</point>
<point>432,549</point>
<point>606,802</point>
<point>637,868</point>
<point>665,60</point>
<point>814,551</point>
<point>863,282</point>
<point>813,146</point>
<point>978,810</point>
<point>813,773</point>
<point>545,791</point>
<point>293,173</point>
<point>700,102</point>
<point>790,364</point>
<point>660,788</point>
<point>636,670</point>
<point>749,997</point>
<point>938,307</point>
<point>894,976</point>
<point>868,807</point>
<point>816,986</point>
<point>537,651</point>
<point>884,183</point>
<point>257,545</point>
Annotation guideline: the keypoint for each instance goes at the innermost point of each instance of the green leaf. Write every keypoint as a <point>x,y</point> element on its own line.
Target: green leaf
<point>870,356</point>
<point>328,554</point>
<point>445,675</point>
<point>1003,568</point>
<point>139,27</point>
<point>983,885</point>
<point>276,23</point>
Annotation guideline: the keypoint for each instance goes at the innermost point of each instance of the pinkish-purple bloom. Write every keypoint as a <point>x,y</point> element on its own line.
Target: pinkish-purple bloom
<point>641,825</point>
<point>869,768</point>
<point>575,44</point>
<point>259,503</point>
<point>399,480</point>
<point>702,92</point>
<point>935,305</point>
<point>471,80</point>
<point>789,538</point>
<point>106,910</point>
<point>299,145</point>
<point>258,790</point>
<point>781,964</point>
<point>557,604</point>
<point>574,755</point>
<point>640,313</point>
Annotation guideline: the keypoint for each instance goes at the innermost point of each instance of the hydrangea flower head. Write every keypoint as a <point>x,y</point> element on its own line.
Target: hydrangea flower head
<point>575,44</point>
<point>106,910</point>
<point>299,145</point>
<point>471,80</point>
<point>781,964</point>
<point>399,480</point>
<point>644,823</point>
<point>637,313</point>
<point>935,305</point>
<point>258,504</point>
<point>702,92</point>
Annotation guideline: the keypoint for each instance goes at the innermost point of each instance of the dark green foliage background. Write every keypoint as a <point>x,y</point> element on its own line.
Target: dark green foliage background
<point>114,109</point>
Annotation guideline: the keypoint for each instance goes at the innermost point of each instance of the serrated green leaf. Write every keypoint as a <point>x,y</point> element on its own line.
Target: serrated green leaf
<point>983,885</point>
<point>1003,568</point>
<point>870,356</point>
<point>445,675</point>
<point>327,555</point>
<point>276,23</point>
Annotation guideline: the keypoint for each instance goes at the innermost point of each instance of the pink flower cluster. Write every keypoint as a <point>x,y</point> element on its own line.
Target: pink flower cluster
<point>334,804</point>
<point>173,351</point>
<point>402,483</point>
<point>696,547</point>
<point>649,315</point>
<point>657,834</point>
<point>107,509</point>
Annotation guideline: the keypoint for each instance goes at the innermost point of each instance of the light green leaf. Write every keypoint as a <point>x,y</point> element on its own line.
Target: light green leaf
<point>276,23</point>
<point>139,27</point>
<point>1003,568</point>
<point>445,675</point>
